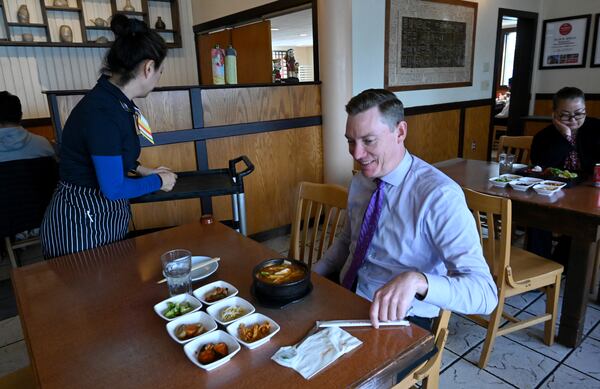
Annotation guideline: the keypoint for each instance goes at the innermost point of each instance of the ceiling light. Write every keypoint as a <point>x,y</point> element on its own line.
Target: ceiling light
<point>274,29</point>
<point>303,34</point>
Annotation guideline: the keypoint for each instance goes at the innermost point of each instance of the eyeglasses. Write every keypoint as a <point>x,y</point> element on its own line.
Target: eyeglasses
<point>566,117</point>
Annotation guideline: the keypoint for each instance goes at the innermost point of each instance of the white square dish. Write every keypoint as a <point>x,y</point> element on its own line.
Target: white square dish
<point>197,317</point>
<point>502,180</point>
<point>216,309</point>
<point>524,183</point>
<point>161,307</point>
<point>201,292</point>
<point>546,190</point>
<point>249,321</point>
<point>192,348</point>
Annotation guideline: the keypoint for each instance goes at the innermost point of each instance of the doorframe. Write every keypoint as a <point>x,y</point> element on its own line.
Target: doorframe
<point>524,64</point>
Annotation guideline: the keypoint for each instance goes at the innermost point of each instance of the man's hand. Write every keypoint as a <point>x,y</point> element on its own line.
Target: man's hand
<point>393,300</point>
<point>560,126</point>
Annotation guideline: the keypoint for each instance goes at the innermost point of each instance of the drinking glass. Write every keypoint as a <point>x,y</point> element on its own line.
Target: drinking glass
<point>177,268</point>
<point>505,163</point>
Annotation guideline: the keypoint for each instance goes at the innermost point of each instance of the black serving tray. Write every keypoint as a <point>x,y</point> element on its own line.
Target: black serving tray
<point>526,172</point>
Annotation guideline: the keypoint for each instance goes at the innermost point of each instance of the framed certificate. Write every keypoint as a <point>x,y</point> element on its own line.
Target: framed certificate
<point>596,45</point>
<point>564,42</point>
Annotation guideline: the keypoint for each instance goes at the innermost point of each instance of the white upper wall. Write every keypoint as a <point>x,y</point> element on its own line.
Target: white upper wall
<point>551,80</point>
<point>368,37</point>
<point>206,10</point>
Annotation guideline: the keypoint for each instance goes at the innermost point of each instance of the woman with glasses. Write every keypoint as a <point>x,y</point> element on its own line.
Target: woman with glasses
<point>572,141</point>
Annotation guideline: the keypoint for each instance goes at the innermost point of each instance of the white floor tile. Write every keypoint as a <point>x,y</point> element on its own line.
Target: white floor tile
<point>533,337</point>
<point>522,300</point>
<point>10,331</point>
<point>539,306</point>
<point>514,363</point>
<point>464,375</point>
<point>565,377</point>
<point>13,357</point>
<point>463,334</point>
<point>596,333</point>
<point>586,358</point>
<point>447,358</point>
<point>279,244</point>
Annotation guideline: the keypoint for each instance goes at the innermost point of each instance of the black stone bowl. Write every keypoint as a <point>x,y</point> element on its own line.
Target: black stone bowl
<point>282,292</point>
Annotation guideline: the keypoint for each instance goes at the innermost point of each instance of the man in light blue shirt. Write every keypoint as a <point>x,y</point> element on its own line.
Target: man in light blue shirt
<point>425,253</point>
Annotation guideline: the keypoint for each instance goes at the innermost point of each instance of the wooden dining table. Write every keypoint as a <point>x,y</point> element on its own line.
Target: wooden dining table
<point>89,322</point>
<point>573,211</point>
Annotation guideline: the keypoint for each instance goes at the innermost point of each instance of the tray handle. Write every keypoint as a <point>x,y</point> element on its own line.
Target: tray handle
<point>249,166</point>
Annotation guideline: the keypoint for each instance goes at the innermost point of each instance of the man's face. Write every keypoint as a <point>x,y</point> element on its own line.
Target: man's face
<point>377,148</point>
<point>571,112</point>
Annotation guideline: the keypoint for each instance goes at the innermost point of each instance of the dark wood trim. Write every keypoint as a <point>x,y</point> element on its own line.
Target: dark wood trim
<point>445,107</point>
<point>315,32</point>
<point>594,44</point>
<point>549,96</point>
<point>588,18</point>
<point>198,110</point>
<point>36,122</point>
<point>197,134</point>
<point>55,117</point>
<point>202,164</point>
<point>249,15</point>
<point>461,132</point>
<point>177,88</point>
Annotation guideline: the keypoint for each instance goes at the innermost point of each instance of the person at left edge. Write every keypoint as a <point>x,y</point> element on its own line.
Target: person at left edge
<point>100,145</point>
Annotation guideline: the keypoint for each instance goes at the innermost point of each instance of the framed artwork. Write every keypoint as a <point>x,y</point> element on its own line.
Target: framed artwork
<point>564,42</point>
<point>429,44</point>
<point>596,45</point>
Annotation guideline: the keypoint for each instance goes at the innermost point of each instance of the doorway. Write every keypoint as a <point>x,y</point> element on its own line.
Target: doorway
<point>513,68</point>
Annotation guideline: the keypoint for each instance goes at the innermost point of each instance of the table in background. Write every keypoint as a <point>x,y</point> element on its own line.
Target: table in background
<point>574,212</point>
<point>88,320</point>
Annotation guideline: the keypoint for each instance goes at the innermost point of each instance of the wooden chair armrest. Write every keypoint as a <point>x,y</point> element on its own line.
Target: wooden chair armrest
<point>423,372</point>
<point>516,284</point>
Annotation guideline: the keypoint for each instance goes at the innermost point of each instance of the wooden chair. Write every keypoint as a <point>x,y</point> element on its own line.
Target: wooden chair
<point>429,372</point>
<point>32,183</point>
<point>519,146</point>
<point>515,271</point>
<point>22,379</point>
<point>316,204</point>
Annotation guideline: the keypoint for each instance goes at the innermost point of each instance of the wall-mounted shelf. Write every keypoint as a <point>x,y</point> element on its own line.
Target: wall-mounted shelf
<point>77,16</point>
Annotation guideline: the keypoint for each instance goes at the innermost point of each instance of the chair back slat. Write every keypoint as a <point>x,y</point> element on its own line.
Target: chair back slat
<point>317,217</point>
<point>519,146</point>
<point>498,217</point>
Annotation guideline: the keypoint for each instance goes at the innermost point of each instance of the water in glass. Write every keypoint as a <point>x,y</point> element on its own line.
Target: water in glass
<point>177,266</point>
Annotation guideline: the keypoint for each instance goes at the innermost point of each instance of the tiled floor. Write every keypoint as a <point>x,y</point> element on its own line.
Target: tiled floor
<point>519,360</point>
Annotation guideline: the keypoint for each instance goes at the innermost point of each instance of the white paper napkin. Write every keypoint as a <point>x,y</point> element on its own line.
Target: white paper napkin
<point>317,351</point>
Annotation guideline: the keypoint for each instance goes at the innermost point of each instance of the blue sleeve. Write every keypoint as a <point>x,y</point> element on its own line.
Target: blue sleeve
<point>113,183</point>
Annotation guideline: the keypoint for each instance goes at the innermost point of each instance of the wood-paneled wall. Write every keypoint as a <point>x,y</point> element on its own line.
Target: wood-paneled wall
<point>247,105</point>
<point>282,159</point>
<point>476,135</point>
<point>543,107</point>
<point>433,137</point>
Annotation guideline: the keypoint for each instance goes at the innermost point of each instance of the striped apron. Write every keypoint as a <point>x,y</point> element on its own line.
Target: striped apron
<point>80,218</point>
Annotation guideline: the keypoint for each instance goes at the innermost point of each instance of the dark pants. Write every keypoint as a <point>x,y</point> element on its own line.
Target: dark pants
<point>540,242</point>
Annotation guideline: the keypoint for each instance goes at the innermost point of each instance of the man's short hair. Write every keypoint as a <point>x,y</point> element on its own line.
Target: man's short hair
<point>567,93</point>
<point>390,107</point>
<point>10,108</point>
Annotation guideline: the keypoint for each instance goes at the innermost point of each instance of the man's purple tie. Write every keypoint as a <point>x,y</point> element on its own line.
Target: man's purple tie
<point>367,230</point>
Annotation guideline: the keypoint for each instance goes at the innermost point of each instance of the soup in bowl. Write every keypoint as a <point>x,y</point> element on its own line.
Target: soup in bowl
<point>281,279</point>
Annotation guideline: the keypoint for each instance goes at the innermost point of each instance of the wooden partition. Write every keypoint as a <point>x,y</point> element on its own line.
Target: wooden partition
<point>198,128</point>
<point>440,132</point>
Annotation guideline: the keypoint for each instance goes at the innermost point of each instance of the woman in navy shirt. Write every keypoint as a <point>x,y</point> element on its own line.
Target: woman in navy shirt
<point>100,145</point>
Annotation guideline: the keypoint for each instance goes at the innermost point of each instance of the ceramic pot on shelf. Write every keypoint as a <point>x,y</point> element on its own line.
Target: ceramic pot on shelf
<point>27,37</point>
<point>160,24</point>
<point>99,22</point>
<point>128,7</point>
<point>60,3</point>
<point>23,14</point>
<point>65,33</point>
